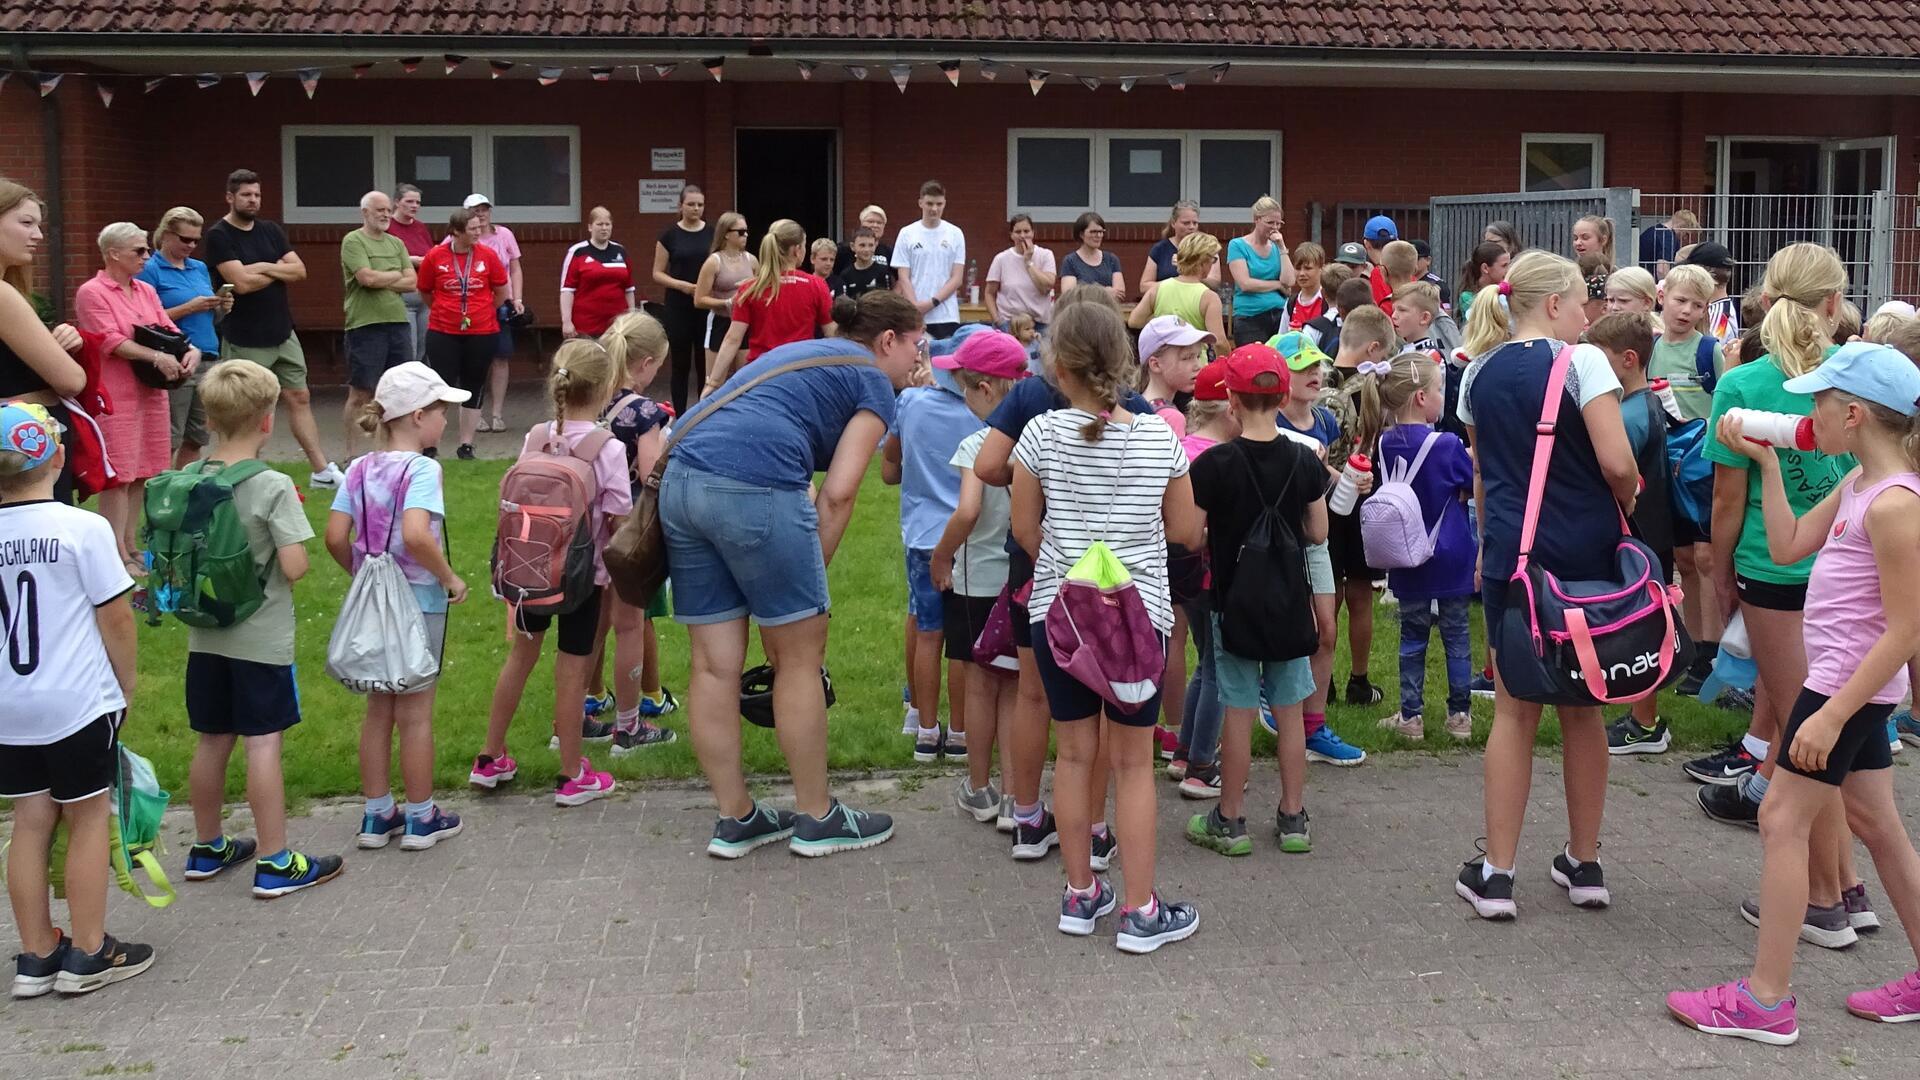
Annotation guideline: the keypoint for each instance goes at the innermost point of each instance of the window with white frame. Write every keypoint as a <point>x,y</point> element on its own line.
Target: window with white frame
<point>532,173</point>
<point>1562,162</point>
<point>1135,176</point>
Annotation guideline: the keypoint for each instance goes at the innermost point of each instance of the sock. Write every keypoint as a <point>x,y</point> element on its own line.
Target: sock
<point>1314,722</point>
<point>382,805</point>
<point>217,845</point>
<point>958,738</point>
<point>1748,990</point>
<point>1756,747</point>
<point>1567,850</point>
<point>627,720</point>
<point>1705,650</point>
<point>1028,815</point>
<point>280,859</point>
<point>656,697</point>
<point>913,716</point>
<point>1100,829</point>
<point>1151,907</point>
<point>1754,787</point>
<point>1088,891</point>
<point>1487,870</point>
<point>420,811</point>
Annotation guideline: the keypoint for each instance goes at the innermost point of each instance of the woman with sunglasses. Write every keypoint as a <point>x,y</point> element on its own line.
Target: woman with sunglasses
<point>187,292</point>
<point>729,265</point>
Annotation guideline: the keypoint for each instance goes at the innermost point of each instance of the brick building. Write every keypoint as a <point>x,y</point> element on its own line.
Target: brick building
<point>1333,106</point>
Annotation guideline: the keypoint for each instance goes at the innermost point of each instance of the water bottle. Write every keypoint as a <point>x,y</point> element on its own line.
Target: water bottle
<point>1347,492</point>
<point>1663,390</point>
<point>1734,641</point>
<point>1783,430</point>
<point>973,278</point>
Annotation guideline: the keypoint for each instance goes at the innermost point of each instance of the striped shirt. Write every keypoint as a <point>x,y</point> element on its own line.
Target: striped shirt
<point>1108,490</point>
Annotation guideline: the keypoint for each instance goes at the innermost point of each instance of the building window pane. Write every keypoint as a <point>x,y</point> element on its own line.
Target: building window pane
<point>1235,172</point>
<point>333,170</point>
<point>1052,172</point>
<point>1559,166</point>
<point>441,166</point>
<point>532,170</point>
<point>1143,172</point>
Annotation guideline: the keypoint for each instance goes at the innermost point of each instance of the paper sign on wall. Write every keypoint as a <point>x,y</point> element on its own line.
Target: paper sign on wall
<point>669,159</point>
<point>660,196</point>
<point>433,167</point>
<point>1143,162</point>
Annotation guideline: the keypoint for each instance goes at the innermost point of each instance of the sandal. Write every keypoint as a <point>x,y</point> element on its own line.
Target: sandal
<point>496,424</point>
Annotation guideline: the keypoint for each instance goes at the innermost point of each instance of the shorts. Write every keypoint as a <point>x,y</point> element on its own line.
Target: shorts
<point>965,617</point>
<point>503,342</point>
<point>1348,550</point>
<point>1069,699</point>
<point>1686,533</point>
<point>287,360</point>
<point>579,628</point>
<point>737,549</point>
<point>372,349</point>
<point>1320,569</point>
<point>923,600</point>
<point>436,622</point>
<point>187,414</point>
<point>718,324</point>
<point>1019,574</point>
<point>240,697</point>
<point>1861,747</point>
<point>72,770</point>
<point>1248,684</point>
<point>1770,595</point>
<point>1248,329</point>
<point>661,605</point>
<point>941,331</point>
<point>462,360</point>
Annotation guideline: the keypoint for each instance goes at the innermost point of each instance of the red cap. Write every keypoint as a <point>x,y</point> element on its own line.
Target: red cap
<point>1257,368</point>
<point>1211,383</point>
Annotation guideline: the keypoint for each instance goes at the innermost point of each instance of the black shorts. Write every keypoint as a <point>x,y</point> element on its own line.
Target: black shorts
<point>578,628</point>
<point>1862,744</point>
<point>1251,329</point>
<point>1070,699</point>
<point>72,770</point>
<point>371,350</point>
<point>718,323</point>
<point>1019,574</point>
<point>462,360</point>
<point>941,331</point>
<point>1771,596</point>
<point>1349,552</point>
<point>240,697</point>
<point>1686,533</point>
<point>965,617</point>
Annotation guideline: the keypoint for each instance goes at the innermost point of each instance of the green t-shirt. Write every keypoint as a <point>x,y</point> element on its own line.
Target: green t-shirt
<point>1674,361</point>
<point>1809,474</point>
<point>365,306</point>
<point>270,509</point>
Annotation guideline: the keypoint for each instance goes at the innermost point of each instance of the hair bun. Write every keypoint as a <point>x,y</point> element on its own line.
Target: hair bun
<point>846,310</point>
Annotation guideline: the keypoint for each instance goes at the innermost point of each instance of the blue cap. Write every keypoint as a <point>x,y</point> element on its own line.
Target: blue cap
<point>30,431</point>
<point>1380,229</point>
<point>1869,371</point>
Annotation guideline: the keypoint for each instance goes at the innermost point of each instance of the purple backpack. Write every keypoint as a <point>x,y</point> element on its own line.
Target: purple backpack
<point>1392,528</point>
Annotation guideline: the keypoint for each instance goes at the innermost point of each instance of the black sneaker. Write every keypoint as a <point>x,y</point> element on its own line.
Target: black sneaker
<point>628,742</point>
<point>1726,802</point>
<point>1586,886</point>
<point>34,975</point>
<point>204,861</point>
<point>1362,692</point>
<point>1033,841</point>
<point>1690,683</point>
<point>83,973</point>
<point>926,745</point>
<point>1491,896</point>
<point>1104,848</point>
<point>1724,766</point>
<point>842,829</point>
<point>734,837</point>
<point>1483,685</point>
<point>591,730</point>
<point>465,453</point>
<point>1626,736</point>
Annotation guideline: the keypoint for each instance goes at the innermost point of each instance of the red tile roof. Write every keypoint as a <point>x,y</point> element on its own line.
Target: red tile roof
<point>1683,29</point>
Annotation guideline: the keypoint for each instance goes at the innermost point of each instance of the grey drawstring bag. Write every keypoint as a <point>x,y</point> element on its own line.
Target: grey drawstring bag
<point>379,643</point>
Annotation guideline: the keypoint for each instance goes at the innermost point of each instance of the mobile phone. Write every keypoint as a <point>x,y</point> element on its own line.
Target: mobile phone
<point>226,291</point>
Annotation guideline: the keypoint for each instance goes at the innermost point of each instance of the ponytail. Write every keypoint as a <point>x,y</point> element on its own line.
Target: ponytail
<point>1485,253</point>
<point>581,375</point>
<point>1801,278</point>
<point>863,320</point>
<point>1488,323</point>
<point>782,236</point>
<point>1370,410</point>
<point>634,338</point>
<point>1090,341</point>
<point>370,418</point>
<point>1530,280</point>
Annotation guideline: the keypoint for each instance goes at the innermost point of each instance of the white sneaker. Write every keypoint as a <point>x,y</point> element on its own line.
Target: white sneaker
<point>1411,728</point>
<point>327,479</point>
<point>911,725</point>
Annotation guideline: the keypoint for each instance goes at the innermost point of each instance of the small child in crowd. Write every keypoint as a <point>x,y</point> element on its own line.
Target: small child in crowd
<point>866,273</point>
<point>821,256</point>
<point>1416,305</point>
<point>1688,359</point>
<point>1172,351</point>
<point>1486,265</point>
<point>1324,331</point>
<point>395,493</point>
<point>60,715</point>
<point>1195,765</point>
<point>1367,340</point>
<point>240,678</point>
<point>1309,299</point>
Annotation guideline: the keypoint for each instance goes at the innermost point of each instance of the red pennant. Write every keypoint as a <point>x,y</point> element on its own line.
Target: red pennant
<point>360,70</point>
<point>550,75</point>
<point>49,81</point>
<point>951,69</point>
<point>408,65</point>
<point>714,65</point>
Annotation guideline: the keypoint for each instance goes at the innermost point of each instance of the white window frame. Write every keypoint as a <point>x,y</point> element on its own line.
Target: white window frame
<point>1098,140</point>
<point>1598,142</point>
<point>482,135</point>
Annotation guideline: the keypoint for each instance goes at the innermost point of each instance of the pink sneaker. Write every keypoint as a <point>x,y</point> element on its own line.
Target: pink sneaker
<point>1730,1009</point>
<point>583,789</point>
<point>491,772</point>
<point>1895,1003</point>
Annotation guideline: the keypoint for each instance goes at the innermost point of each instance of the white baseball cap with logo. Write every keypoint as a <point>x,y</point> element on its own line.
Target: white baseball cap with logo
<point>475,199</point>
<point>412,386</point>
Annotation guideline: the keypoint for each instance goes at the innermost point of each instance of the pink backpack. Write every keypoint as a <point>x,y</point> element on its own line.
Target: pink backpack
<point>1392,528</point>
<point>543,548</point>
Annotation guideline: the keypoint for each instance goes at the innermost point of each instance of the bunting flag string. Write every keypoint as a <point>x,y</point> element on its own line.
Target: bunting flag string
<point>951,68</point>
<point>550,75</point>
<point>256,80</point>
<point>106,94</point>
<point>309,80</point>
<point>1219,71</point>
<point>1126,83</point>
<point>497,68</point>
<point>901,73</point>
<point>1036,80</point>
<point>206,80</point>
<point>154,84</point>
<point>664,70</point>
<point>49,81</point>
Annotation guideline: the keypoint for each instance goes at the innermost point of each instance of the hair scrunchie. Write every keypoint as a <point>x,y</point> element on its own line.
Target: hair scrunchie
<point>1506,288</point>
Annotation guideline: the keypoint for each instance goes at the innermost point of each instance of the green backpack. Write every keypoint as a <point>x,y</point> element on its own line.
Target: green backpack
<point>202,568</point>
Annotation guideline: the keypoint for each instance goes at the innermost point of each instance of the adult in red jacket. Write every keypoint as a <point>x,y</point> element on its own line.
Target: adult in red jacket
<point>781,305</point>
<point>464,282</point>
<point>596,287</point>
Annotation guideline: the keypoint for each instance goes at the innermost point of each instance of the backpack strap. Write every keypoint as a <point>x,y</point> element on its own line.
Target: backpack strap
<point>1703,362</point>
<point>1419,459</point>
<point>589,447</point>
<point>236,473</point>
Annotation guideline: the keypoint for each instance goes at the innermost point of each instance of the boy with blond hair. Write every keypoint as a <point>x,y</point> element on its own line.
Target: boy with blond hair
<point>1692,362</point>
<point>239,679</point>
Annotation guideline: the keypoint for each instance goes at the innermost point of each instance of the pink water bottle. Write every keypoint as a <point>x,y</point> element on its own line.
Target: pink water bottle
<point>1783,430</point>
<point>1663,390</point>
<point>1347,492</point>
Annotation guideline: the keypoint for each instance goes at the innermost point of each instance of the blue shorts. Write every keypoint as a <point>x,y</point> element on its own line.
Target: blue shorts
<point>1247,684</point>
<point>737,549</point>
<point>923,600</point>
<point>240,697</point>
<point>1070,699</point>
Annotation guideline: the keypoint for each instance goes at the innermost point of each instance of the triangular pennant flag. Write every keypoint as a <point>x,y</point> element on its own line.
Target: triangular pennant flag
<point>1089,81</point>
<point>4,76</point>
<point>256,80</point>
<point>901,73</point>
<point>106,94</point>
<point>951,68</point>
<point>206,80</point>
<point>1036,80</point>
<point>1126,83</point>
<point>856,71</point>
<point>309,80</point>
<point>499,67</point>
<point>1177,80</point>
<point>453,61</point>
<point>664,70</point>
<point>600,74</point>
<point>153,83</point>
<point>806,69</point>
<point>989,70</point>
<point>360,70</point>
<point>1219,71</point>
<point>714,65</point>
<point>49,81</point>
<point>409,65</point>
<point>550,75</point>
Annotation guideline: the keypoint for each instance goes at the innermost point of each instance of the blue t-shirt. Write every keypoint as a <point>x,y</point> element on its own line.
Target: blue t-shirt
<point>1077,268</point>
<point>1162,255</point>
<point>783,431</point>
<point>1032,397</point>
<point>1443,485</point>
<point>1267,269</point>
<point>1658,245</point>
<point>933,422</point>
<point>1325,426</point>
<point>176,287</point>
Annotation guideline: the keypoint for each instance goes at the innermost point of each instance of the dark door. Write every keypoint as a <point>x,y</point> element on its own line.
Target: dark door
<point>787,173</point>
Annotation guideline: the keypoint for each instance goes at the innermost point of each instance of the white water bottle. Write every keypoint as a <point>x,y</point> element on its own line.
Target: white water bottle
<point>1734,641</point>
<point>1663,390</point>
<point>1347,492</point>
<point>1783,430</point>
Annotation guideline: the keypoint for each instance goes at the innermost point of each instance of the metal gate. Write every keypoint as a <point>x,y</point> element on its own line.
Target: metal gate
<point>1544,220</point>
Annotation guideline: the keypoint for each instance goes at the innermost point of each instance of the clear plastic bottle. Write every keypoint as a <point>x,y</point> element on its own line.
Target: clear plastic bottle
<point>1346,493</point>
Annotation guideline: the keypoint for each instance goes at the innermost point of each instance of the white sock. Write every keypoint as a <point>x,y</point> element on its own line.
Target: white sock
<point>1487,870</point>
<point>420,811</point>
<point>1757,747</point>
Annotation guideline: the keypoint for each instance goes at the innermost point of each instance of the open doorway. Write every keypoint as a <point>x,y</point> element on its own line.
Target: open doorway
<point>788,173</point>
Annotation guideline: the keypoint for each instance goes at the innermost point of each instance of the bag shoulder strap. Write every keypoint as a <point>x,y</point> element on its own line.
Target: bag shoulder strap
<point>1703,361</point>
<point>686,425</point>
<point>589,447</point>
<point>1543,447</point>
<point>1273,507</point>
<point>1420,458</point>
<point>238,472</point>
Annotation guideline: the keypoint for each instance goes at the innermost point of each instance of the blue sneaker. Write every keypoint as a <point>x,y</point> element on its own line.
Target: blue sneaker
<point>1267,721</point>
<point>666,704</point>
<point>290,871</point>
<point>842,829</point>
<point>1327,746</point>
<point>376,830</point>
<point>206,861</point>
<point>1907,727</point>
<point>596,705</point>
<point>423,833</point>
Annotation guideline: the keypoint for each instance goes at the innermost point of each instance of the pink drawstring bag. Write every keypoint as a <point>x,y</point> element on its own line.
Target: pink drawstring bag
<point>1099,632</point>
<point>994,648</point>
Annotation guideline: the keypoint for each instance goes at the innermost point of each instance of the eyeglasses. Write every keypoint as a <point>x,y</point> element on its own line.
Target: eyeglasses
<point>924,347</point>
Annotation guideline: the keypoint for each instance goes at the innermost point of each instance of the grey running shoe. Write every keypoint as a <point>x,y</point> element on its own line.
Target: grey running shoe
<point>1004,823</point>
<point>842,829</point>
<point>1078,913</point>
<point>734,837</point>
<point>1295,837</point>
<point>1586,886</point>
<point>1859,912</point>
<point>1169,922</point>
<point>630,742</point>
<point>1100,857</point>
<point>1827,927</point>
<point>982,803</point>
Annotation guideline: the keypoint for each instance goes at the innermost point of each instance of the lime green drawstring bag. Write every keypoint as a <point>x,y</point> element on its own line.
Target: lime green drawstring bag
<point>133,833</point>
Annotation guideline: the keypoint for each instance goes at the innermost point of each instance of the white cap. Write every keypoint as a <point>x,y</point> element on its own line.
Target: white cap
<point>475,199</point>
<point>1896,307</point>
<point>412,386</point>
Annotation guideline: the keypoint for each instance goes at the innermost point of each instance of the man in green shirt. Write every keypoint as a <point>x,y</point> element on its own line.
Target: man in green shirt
<point>377,274</point>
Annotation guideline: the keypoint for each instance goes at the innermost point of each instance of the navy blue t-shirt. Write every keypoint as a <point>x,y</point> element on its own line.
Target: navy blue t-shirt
<point>1030,398</point>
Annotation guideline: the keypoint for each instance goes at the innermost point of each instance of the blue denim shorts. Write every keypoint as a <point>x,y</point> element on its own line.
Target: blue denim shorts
<point>1247,684</point>
<point>923,600</point>
<point>738,549</point>
<point>1320,569</point>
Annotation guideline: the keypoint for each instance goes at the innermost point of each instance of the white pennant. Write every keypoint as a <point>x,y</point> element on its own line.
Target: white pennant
<point>664,70</point>
<point>106,94</point>
<point>50,82</point>
<point>1126,83</point>
<point>951,68</point>
<point>989,70</point>
<point>901,73</point>
<point>1177,80</point>
<point>1036,80</point>
<point>856,71</point>
<point>550,75</point>
<point>806,69</point>
<point>1219,71</point>
<point>1090,82</point>
<point>256,80</point>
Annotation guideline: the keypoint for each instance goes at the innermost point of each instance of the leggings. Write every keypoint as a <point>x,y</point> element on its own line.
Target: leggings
<point>1200,723</point>
<point>686,357</point>
<point>462,360</point>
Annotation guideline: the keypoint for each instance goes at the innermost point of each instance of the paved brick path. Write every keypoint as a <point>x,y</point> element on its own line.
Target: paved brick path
<point>600,942</point>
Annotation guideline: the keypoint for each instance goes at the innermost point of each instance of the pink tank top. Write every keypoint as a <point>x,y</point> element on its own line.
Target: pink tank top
<point>1844,614</point>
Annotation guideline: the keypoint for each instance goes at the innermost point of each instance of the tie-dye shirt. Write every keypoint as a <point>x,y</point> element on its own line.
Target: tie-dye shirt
<point>382,486</point>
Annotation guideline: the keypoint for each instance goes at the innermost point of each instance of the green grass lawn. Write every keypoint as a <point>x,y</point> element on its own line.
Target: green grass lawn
<point>864,653</point>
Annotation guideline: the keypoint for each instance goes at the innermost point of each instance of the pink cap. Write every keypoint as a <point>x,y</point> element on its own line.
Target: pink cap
<point>988,352</point>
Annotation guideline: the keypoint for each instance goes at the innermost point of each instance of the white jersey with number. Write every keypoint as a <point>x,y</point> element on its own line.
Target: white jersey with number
<point>57,564</point>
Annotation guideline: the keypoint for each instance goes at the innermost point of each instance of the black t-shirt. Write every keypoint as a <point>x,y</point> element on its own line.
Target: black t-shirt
<point>854,281</point>
<point>1224,486</point>
<point>261,319</point>
<point>843,259</point>
<point>686,251</point>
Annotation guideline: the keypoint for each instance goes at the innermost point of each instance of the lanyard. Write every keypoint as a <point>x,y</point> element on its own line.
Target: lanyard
<point>464,277</point>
